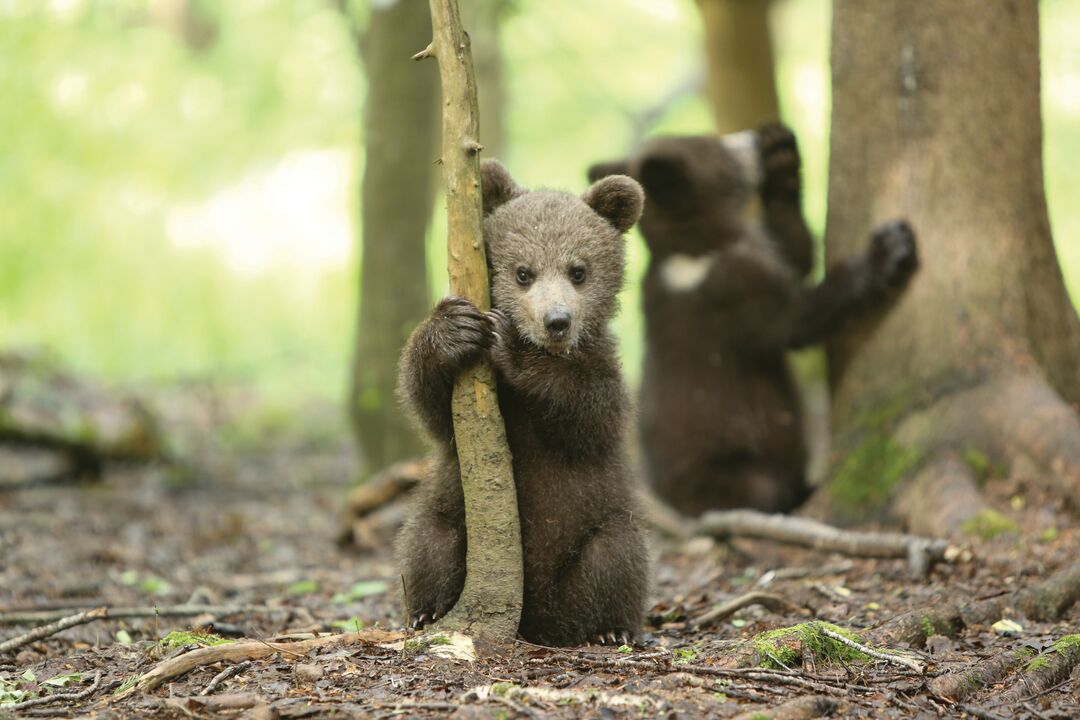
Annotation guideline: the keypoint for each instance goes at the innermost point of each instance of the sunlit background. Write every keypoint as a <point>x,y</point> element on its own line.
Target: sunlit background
<point>180,202</point>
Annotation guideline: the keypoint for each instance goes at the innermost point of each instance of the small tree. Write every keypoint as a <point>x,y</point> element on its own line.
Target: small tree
<point>490,602</point>
<point>936,118</point>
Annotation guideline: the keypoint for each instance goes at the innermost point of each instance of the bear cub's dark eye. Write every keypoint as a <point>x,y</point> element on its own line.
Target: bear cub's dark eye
<point>524,277</point>
<point>577,275</point>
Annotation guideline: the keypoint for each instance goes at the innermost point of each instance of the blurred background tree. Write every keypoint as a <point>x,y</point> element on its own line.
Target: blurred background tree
<point>190,214</point>
<point>400,147</point>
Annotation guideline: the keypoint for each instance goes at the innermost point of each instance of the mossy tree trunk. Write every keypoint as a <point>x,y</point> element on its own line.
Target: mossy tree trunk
<point>738,47</point>
<point>489,606</point>
<point>936,118</point>
<point>401,112</point>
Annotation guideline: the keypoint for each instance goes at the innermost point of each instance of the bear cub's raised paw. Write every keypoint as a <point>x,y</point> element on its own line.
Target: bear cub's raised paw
<point>893,255</point>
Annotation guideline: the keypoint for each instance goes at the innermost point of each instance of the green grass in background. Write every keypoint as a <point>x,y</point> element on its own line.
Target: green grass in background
<point>111,125</point>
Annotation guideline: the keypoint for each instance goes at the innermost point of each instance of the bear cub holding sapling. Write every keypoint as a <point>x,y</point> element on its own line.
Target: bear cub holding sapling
<point>724,298</point>
<point>556,264</point>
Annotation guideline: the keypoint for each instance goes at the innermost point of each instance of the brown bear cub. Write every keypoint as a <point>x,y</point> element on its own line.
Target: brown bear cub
<point>724,299</point>
<point>556,264</point>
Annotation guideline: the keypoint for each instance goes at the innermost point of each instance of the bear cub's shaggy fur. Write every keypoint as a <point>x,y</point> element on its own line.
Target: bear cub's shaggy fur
<point>723,300</point>
<point>556,263</point>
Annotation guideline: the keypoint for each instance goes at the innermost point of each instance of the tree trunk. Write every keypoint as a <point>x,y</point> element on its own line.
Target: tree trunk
<point>490,602</point>
<point>396,199</point>
<point>936,118</point>
<point>738,47</point>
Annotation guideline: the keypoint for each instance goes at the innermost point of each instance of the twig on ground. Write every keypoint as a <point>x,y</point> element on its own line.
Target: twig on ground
<point>920,552</point>
<point>795,573</point>
<point>1045,671</point>
<point>60,625</point>
<point>231,671</point>
<point>806,707</point>
<point>982,714</point>
<point>884,657</point>
<point>49,699</point>
<point>386,486</point>
<point>250,650</point>
<point>772,602</point>
<point>24,617</point>
<point>961,684</point>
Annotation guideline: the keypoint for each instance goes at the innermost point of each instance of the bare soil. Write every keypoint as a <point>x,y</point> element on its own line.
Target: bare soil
<point>256,521</point>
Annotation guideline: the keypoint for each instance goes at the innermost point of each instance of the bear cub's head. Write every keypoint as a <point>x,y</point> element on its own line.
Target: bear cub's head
<point>701,189</point>
<point>556,259</point>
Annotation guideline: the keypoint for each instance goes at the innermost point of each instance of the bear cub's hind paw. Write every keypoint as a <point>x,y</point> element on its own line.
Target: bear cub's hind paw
<point>893,254</point>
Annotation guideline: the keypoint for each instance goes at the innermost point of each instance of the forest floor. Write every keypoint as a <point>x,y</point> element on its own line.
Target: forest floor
<point>256,528</point>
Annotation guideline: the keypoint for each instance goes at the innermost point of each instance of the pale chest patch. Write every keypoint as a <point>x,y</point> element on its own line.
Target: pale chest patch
<point>683,273</point>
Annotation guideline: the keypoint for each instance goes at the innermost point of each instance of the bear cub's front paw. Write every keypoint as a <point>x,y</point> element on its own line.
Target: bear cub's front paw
<point>617,637</point>
<point>459,333</point>
<point>893,255</point>
<point>779,161</point>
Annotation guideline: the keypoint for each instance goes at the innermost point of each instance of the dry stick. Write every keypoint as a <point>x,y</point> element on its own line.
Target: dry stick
<point>885,657</point>
<point>920,552</point>
<point>772,602</point>
<point>23,617</point>
<point>52,628</point>
<point>386,486</point>
<point>490,601</point>
<point>231,671</point>
<point>250,650</point>
<point>806,707</point>
<point>49,699</point>
<point>1045,601</point>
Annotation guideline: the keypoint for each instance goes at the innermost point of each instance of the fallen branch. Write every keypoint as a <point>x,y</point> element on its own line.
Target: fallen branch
<point>884,657</point>
<point>959,685</point>
<point>386,486</point>
<point>60,625</point>
<point>1044,672</point>
<point>920,552</point>
<point>770,601</point>
<point>1045,601</point>
<point>250,650</point>
<point>231,671</point>
<point>25,617</point>
<point>217,704</point>
<point>49,699</point>
<point>806,707</point>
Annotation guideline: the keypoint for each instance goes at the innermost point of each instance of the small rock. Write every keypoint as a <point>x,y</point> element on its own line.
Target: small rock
<point>307,673</point>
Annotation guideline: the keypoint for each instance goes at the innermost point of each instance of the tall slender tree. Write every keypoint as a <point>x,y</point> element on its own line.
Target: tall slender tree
<point>400,133</point>
<point>739,49</point>
<point>936,117</point>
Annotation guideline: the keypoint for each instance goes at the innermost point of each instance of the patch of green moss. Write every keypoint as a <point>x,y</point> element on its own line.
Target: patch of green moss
<point>1022,654</point>
<point>1050,534</point>
<point>180,638</point>
<point>1038,663</point>
<point>864,480</point>
<point>1068,644</point>
<point>786,647</point>
<point>978,462</point>
<point>502,689</point>
<point>933,626</point>
<point>422,644</point>
<point>989,524</point>
<point>761,716</point>
<point>127,684</point>
<point>686,654</point>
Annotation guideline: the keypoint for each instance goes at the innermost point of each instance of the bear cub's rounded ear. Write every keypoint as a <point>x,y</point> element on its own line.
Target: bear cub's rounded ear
<point>618,199</point>
<point>496,185</point>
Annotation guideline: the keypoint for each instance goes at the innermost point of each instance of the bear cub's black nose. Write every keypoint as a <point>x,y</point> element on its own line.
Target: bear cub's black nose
<point>557,321</point>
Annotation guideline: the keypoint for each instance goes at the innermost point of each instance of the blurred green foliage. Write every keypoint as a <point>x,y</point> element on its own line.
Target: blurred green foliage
<point>116,122</point>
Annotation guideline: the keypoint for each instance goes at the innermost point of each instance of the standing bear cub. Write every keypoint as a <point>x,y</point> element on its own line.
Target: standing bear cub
<point>723,300</point>
<point>556,264</point>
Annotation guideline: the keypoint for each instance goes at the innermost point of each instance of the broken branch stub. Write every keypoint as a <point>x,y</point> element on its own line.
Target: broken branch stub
<point>490,602</point>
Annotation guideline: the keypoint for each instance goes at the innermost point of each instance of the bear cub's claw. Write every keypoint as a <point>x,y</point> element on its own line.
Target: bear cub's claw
<point>615,637</point>
<point>422,620</point>
<point>780,162</point>
<point>893,254</point>
<point>459,332</point>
